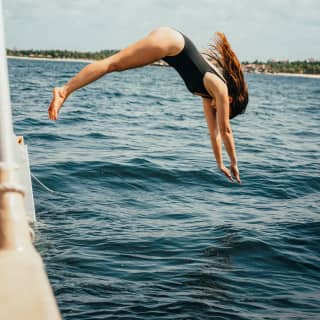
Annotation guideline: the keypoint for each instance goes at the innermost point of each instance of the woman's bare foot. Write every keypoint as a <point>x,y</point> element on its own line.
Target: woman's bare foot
<point>59,96</point>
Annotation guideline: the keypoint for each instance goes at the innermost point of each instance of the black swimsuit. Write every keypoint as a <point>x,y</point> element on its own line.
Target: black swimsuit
<point>191,66</point>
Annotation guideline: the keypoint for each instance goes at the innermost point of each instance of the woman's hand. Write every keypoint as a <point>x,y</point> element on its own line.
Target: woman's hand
<point>229,173</point>
<point>226,172</point>
<point>235,172</point>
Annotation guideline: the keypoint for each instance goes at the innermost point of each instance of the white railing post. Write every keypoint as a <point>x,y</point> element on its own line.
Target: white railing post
<point>6,131</point>
<point>25,292</point>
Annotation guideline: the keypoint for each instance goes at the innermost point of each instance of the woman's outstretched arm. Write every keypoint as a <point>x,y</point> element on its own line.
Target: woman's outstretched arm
<point>215,137</point>
<point>219,90</point>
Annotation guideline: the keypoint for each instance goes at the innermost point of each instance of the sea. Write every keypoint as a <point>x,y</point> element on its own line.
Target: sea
<point>134,219</point>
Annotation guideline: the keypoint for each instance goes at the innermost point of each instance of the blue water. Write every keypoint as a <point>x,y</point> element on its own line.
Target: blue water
<point>141,225</point>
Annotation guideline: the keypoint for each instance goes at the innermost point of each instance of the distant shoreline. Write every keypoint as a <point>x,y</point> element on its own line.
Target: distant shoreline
<point>52,59</point>
<point>301,75</point>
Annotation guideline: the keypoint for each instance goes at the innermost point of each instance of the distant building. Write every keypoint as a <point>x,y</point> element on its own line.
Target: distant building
<point>278,60</point>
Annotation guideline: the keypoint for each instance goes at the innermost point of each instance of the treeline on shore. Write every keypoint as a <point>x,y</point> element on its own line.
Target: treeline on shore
<point>302,67</point>
<point>61,54</point>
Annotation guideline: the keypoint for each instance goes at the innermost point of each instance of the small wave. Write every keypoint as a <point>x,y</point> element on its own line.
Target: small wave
<point>137,169</point>
<point>48,137</point>
<point>315,92</point>
<point>284,184</point>
<point>31,122</point>
<point>96,135</point>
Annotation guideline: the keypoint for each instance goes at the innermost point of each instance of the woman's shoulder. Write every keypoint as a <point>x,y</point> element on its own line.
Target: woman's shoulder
<point>214,84</point>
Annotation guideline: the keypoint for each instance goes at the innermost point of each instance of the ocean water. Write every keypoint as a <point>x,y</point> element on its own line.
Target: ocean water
<point>140,224</point>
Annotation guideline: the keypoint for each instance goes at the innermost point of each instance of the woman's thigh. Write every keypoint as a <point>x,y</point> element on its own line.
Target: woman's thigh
<point>159,43</point>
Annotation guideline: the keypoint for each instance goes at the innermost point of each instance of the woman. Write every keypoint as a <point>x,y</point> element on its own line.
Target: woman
<point>224,95</point>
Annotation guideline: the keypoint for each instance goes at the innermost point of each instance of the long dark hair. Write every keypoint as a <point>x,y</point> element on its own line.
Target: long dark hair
<point>221,53</point>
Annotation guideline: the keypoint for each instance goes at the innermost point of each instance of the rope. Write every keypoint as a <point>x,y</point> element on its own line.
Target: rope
<point>42,184</point>
<point>47,188</point>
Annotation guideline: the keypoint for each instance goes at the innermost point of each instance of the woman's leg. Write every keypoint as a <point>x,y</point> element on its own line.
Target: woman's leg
<point>159,43</point>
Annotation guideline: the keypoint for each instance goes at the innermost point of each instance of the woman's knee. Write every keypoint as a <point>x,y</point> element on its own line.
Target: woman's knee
<point>111,64</point>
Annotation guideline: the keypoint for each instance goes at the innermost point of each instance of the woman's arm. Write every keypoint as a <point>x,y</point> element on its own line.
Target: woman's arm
<point>215,137</point>
<point>219,90</point>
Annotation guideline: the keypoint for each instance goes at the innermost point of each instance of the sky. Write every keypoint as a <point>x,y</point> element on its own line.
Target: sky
<point>256,29</point>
